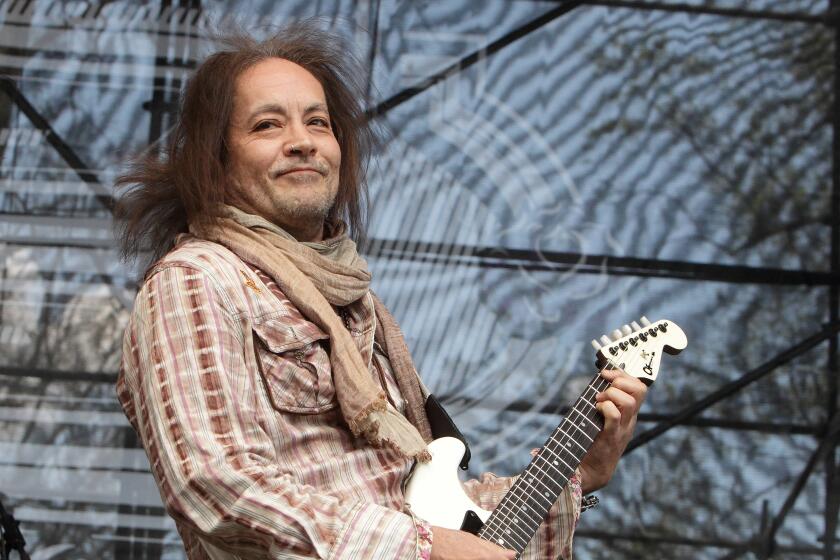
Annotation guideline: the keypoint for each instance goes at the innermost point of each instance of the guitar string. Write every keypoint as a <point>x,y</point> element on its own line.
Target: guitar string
<point>558,444</point>
<point>520,496</point>
<point>532,521</point>
<point>520,510</point>
<point>554,449</point>
<point>497,533</point>
<point>519,501</point>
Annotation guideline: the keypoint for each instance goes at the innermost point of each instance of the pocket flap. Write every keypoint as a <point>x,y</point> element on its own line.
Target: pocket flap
<point>280,335</point>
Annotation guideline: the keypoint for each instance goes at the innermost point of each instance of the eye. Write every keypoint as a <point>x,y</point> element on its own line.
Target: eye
<point>264,125</point>
<point>320,121</point>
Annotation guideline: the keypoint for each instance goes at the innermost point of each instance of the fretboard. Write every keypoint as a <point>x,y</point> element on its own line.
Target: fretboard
<point>516,519</point>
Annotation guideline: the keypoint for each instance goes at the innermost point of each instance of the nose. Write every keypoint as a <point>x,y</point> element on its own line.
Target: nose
<point>299,143</point>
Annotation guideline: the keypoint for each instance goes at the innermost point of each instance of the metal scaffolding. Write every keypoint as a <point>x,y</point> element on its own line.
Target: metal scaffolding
<point>763,543</point>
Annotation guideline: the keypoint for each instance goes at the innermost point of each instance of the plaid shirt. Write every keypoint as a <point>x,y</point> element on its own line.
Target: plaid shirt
<point>257,462</point>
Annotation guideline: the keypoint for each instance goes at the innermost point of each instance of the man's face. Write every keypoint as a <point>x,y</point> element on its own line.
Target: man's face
<point>284,158</point>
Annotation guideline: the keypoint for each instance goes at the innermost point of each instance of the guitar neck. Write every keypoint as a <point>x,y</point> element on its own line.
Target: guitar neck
<point>516,519</point>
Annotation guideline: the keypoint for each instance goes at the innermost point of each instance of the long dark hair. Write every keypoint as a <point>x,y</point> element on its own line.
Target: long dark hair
<point>162,194</point>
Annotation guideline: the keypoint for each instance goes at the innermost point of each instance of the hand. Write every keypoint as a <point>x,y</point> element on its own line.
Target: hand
<point>460,545</point>
<point>619,405</point>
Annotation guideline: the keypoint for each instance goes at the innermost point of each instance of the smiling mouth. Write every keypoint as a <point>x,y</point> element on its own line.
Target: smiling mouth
<point>301,170</point>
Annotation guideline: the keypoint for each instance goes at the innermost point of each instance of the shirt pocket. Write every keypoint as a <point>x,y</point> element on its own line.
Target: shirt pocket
<point>294,365</point>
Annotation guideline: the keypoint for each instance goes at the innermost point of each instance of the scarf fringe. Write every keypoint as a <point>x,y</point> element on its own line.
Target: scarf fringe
<point>382,426</point>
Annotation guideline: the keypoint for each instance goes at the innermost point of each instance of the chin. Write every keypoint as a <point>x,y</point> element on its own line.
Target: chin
<point>308,210</point>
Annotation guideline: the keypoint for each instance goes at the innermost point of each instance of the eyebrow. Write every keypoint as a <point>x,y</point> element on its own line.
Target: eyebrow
<point>275,108</point>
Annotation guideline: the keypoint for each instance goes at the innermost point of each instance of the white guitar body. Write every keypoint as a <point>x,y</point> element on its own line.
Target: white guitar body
<point>435,493</point>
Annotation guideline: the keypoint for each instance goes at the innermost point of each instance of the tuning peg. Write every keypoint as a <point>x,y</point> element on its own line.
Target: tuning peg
<point>616,334</point>
<point>625,330</point>
<point>644,321</point>
<point>595,344</point>
<point>605,340</point>
<point>636,326</point>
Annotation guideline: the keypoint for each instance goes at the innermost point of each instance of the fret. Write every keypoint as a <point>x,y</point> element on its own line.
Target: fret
<point>579,428</point>
<point>513,523</point>
<point>586,426</point>
<point>566,464</point>
<point>492,531</point>
<point>504,541</point>
<point>522,532</point>
<point>521,507</point>
<point>551,466</point>
<point>547,483</point>
<point>504,536</point>
<point>520,513</point>
<point>563,439</point>
<point>565,450</point>
<point>526,480</point>
<point>556,459</point>
<point>519,519</point>
<point>526,504</point>
<point>571,438</point>
<point>581,408</point>
<point>534,510</point>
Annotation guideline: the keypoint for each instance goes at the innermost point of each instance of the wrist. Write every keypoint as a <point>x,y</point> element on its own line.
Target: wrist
<point>590,482</point>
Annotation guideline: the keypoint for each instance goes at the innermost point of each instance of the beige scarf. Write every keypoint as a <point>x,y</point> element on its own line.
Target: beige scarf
<point>315,276</point>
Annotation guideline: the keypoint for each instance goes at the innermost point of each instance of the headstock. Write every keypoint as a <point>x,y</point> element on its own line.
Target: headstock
<point>637,348</point>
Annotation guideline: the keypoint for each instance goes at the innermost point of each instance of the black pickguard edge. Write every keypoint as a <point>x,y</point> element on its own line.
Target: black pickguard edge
<point>443,426</point>
<point>471,523</point>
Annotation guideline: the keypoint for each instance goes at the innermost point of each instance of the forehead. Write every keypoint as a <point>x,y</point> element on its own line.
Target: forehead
<point>276,80</point>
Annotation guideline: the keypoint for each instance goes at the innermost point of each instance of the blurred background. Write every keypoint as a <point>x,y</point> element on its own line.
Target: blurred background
<point>549,171</point>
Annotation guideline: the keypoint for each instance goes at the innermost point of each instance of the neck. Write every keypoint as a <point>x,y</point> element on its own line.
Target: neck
<point>308,232</point>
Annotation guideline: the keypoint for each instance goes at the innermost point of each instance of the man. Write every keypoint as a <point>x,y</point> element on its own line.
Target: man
<point>272,391</point>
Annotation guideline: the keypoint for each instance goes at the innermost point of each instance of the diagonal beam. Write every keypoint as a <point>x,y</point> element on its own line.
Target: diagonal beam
<point>825,445</point>
<point>767,367</point>
<point>9,87</point>
<point>766,543</point>
<point>827,19</point>
<point>832,501</point>
<point>467,61</point>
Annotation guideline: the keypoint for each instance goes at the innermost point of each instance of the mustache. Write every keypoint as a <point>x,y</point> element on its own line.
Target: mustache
<point>318,166</point>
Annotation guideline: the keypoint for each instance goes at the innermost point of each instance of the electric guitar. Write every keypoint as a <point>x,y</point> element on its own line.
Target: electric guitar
<point>434,491</point>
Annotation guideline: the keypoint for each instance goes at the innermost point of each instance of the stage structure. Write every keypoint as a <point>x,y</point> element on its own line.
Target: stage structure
<point>549,171</point>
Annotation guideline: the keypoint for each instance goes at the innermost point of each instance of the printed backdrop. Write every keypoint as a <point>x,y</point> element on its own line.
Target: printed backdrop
<point>611,162</point>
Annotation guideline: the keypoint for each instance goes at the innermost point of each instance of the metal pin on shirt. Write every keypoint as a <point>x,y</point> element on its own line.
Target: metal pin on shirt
<point>249,283</point>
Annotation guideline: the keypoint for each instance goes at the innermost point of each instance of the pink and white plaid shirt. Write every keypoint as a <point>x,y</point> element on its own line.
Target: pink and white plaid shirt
<point>260,464</point>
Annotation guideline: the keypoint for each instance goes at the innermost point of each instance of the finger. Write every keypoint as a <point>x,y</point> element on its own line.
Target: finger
<point>496,549</point>
<point>611,374</point>
<point>622,400</point>
<point>626,404</point>
<point>631,387</point>
<point>627,383</point>
<point>611,414</point>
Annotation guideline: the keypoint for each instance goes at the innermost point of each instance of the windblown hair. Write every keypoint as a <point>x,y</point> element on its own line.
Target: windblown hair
<point>164,193</point>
